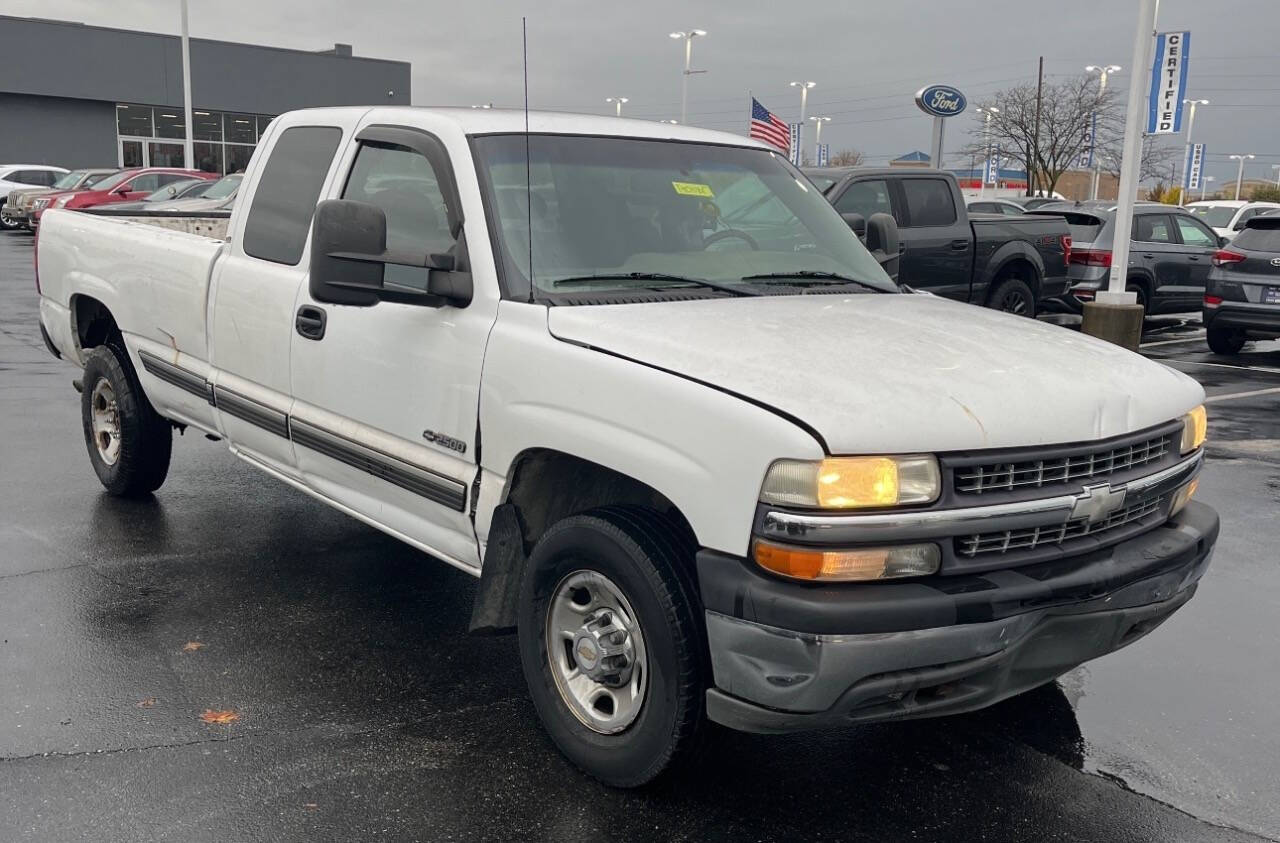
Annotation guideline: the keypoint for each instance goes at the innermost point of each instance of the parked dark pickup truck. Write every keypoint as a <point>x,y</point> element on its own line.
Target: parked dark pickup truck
<point>1009,263</point>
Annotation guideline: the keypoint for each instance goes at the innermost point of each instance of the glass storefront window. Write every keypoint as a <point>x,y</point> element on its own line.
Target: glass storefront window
<point>169,123</point>
<point>165,154</point>
<point>134,120</point>
<point>237,157</point>
<point>240,128</point>
<point>206,125</point>
<point>264,121</point>
<point>208,156</point>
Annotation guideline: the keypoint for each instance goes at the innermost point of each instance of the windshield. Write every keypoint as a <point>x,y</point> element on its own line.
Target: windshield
<point>612,214</point>
<point>1214,216</point>
<point>68,180</point>
<point>113,180</point>
<point>222,188</point>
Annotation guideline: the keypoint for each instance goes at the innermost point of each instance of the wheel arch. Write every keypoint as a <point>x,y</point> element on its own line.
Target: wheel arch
<point>92,323</point>
<point>1014,257</point>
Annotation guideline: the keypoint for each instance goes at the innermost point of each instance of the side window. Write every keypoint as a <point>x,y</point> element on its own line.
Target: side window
<point>929,202</point>
<point>1152,228</point>
<point>44,178</point>
<point>146,183</point>
<point>866,198</point>
<point>984,208</point>
<point>1195,234</point>
<point>1011,211</point>
<point>285,199</point>
<point>169,178</point>
<point>402,183</point>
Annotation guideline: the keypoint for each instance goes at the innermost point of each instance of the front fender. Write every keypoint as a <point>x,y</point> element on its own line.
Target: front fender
<point>705,450</point>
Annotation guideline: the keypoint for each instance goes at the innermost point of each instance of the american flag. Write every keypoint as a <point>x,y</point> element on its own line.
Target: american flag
<point>768,128</point>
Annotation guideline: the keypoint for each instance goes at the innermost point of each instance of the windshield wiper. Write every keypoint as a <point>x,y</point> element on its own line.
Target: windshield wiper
<point>815,276</point>
<point>652,276</point>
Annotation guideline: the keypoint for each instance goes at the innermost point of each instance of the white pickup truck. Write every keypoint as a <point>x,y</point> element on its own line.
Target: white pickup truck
<point>642,380</point>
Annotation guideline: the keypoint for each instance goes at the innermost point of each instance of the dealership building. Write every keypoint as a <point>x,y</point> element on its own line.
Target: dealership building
<point>89,96</point>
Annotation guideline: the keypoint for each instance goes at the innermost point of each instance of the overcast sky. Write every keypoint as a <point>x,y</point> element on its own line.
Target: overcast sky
<point>868,58</point>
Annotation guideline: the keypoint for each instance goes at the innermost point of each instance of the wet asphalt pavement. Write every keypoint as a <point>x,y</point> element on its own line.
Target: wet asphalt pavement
<point>365,712</point>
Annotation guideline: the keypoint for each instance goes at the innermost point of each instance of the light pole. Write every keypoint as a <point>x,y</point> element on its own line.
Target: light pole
<point>1103,72</point>
<point>804,100</point>
<point>617,104</point>
<point>817,138</point>
<point>987,111</point>
<point>1204,186</point>
<point>1240,171</point>
<point>687,37</point>
<point>188,154</point>
<point>1276,167</point>
<point>1186,153</point>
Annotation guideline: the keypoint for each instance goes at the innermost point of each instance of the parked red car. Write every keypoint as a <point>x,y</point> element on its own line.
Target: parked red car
<point>124,186</point>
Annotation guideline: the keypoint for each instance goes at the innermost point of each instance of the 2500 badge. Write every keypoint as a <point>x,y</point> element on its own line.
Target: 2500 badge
<point>445,441</point>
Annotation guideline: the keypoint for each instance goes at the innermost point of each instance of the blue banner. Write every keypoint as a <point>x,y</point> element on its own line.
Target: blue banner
<point>1168,83</point>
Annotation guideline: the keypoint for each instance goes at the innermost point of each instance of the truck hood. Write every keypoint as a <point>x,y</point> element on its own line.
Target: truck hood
<point>894,373</point>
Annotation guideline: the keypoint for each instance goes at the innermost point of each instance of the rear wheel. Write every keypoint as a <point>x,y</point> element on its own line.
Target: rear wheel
<point>1225,340</point>
<point>612,643</point>
<point>129,443</point>
<point>1013,295</point>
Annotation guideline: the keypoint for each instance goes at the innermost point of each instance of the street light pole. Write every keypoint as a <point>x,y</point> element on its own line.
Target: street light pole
<point>986,111</point>
<point>1204,186</point>
<point>804,99</point>
<point>687,37</point>
<point>1240,171</point>
<point>188,154</point>
<point>1103,72</point>
<point>1276,167</point>
<point>617,104</point>
<point>817,138</point>
<point>1186,152</point>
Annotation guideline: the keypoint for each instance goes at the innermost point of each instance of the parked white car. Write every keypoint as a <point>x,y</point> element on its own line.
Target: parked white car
<point>704,471</point>
<point>1228,216</point>
<point>15,176</point>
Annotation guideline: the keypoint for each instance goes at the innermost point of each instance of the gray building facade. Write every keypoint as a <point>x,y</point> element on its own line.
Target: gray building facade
<point>89,96</point>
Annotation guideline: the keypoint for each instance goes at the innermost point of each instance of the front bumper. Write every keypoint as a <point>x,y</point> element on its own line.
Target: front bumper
<point>1258,320</point>
<point>793,656</point>
<point>11,214</point>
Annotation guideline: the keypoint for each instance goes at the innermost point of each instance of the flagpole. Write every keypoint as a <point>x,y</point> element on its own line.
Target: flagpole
<point>751,101</point>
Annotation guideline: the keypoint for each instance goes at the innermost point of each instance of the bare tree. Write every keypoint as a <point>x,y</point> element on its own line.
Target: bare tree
<point>1067,111</point>
<point>1158,160</point>
<point>847,158</point>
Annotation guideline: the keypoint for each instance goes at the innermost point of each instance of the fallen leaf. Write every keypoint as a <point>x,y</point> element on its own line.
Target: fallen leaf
<point>191,646</point>
<point>147,703</point>
<point>211,716</point>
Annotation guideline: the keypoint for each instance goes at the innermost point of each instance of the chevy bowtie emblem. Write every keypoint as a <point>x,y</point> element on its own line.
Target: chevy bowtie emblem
<point>1097,502</point>
<point>1275,261</point>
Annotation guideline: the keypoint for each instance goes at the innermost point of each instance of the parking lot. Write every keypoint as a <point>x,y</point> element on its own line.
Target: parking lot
<point>355,706</point>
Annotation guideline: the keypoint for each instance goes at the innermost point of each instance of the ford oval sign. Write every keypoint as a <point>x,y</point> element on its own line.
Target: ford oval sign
<point>941,101</point>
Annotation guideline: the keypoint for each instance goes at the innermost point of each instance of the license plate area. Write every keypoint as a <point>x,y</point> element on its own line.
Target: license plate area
<point>1271,295</point>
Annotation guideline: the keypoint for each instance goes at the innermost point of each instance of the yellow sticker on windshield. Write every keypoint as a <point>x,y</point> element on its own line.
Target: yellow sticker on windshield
<point>688,188</point>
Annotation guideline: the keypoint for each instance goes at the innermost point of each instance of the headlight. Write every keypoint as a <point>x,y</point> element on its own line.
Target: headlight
<point>864,563</point>
<point>62,201</point>
<point>40,204</point>
<point>852,482</point>
<point>1195,425</point>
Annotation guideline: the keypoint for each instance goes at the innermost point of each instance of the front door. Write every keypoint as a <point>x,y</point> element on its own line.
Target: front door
<point>1156,246</point>
<point>133,154</point>
<point>386,397</point>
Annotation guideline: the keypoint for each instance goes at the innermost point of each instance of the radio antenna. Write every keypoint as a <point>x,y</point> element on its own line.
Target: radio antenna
<point>528,175</point>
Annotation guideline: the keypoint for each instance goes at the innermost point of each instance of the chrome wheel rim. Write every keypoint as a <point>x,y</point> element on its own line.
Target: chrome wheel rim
<point>596,652</point>
<point>105,421</point>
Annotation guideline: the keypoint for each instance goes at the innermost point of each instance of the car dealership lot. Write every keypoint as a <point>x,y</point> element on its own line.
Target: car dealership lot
<point>362,710</point>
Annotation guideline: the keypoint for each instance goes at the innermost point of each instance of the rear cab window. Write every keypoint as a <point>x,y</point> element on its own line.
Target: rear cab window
<point>285,199</point>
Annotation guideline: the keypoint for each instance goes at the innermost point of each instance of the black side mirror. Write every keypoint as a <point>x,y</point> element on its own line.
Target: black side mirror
<point>857,222</point>
<point>349,257</point>
<point>883,243</point>
<point>1223,241</point>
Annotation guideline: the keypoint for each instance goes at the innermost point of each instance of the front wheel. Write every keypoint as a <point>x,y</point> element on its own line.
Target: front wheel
<point>129,442</point>
<point>1225,340</point>
<point>613,645</point>
<point>9,224</point>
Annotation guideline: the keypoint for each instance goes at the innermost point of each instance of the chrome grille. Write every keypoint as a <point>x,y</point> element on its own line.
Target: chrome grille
<point>1033,537</point>
<point>1033,474</point>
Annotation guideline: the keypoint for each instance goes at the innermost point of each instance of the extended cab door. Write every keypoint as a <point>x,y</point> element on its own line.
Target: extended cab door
<point>937,242</point>
<point>385,418</point>
<point>256,284</point>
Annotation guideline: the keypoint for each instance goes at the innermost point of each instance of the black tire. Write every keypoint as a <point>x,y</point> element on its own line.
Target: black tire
<point>9,225</point>
<point>645,555</point>
<point>145,439</point>
<point>1225,340</point>
<point>1013,295</point>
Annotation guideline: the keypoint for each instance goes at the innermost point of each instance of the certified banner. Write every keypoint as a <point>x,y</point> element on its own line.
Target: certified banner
<point>1194,164</point>
<point>824,154</point>
<point>1168,83</point>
